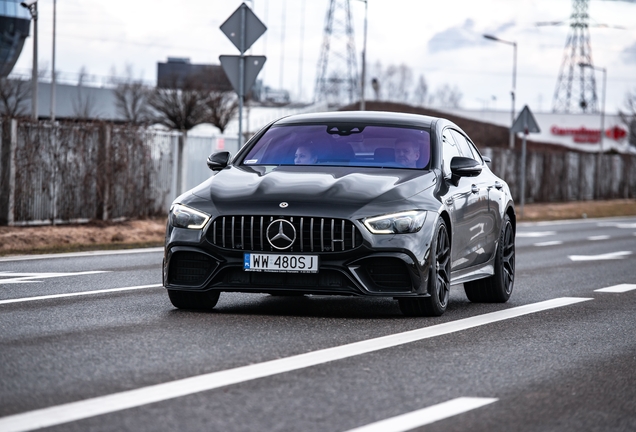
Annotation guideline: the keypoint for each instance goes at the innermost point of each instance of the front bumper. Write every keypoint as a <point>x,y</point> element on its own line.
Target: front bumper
<point>382,265</point>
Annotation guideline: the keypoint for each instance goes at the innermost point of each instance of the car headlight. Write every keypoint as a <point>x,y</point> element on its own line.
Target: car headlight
<point>396,223</point>
<point>185,217</point>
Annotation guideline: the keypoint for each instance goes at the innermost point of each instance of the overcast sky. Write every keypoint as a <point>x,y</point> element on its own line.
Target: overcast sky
<point>441,40</point>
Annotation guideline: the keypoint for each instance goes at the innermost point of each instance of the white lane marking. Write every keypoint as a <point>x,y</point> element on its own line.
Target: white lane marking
<point>618,225</point>
<point>33,277</point>
<point>549,243</point>
<point>618,288</point>
<point>602,257</point>
<point>77,294</point>
<point>81,254</point>
<point>598,237</point>
<point>426,416</point>
<point>535,234</point>
<point>74,411</point>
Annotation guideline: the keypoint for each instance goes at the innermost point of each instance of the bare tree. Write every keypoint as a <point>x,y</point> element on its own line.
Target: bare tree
<point>629,116</point>
<point>421,91</point>
<point>446,97</point>
<point>14,93</point>
<point>221,106</point>
<point>396,80</point>
<point>404,80</point>
<point>84,101</point>
<point>131,99</point>
<point>180,107</point>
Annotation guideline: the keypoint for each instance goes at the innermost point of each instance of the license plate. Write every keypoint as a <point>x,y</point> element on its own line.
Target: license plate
<point>280,263</point>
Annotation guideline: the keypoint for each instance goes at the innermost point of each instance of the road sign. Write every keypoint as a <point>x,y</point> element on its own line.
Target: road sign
<point>526,122</point>
<point>242,28</point>
<point>231,65</point>
<point>253,28</point>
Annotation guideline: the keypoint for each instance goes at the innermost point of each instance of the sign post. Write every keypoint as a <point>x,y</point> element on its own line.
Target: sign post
<point>525,123</point>
<point>242,28</point>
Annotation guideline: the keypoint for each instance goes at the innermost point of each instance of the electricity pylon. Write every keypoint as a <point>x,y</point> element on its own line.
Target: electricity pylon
<point>337,74</point>
<point>576,87</point>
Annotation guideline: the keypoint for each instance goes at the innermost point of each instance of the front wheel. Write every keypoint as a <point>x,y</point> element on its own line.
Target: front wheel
<point>194,300</point>
<point>498,287</point>
<point>438,280</point>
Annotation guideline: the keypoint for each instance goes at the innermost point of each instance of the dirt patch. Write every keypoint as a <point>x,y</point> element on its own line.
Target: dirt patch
<point>577,210</point>
<point>91,236</point>
<point>151,232</point>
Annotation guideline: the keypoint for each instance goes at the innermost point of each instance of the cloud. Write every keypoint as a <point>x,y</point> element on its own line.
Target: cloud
<point>629,54</point>
<point>462,36</point>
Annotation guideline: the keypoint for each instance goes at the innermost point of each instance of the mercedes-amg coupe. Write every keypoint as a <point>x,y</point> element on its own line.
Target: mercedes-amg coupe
<point>346,203</point>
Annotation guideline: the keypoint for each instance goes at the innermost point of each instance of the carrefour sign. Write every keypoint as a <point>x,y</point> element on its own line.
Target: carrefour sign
<point>585,135</point>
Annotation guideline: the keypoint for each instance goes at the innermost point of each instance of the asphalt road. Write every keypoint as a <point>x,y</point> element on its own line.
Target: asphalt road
<point>77,354</point>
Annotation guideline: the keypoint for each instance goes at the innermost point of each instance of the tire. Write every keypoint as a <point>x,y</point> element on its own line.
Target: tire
<point>194,300</point>
<point>498,287</point>
<point>438,281</point>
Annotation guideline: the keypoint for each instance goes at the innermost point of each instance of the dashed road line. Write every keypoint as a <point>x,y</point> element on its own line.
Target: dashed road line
<point>535,234</point>
<point>598,237</point>
<point>426,416</point>
<point>549,243</point>
<point>16,278</point>
<point>87,408</point>
<point>601,257</point>
<point>77,294</point>
<point>618,288</point>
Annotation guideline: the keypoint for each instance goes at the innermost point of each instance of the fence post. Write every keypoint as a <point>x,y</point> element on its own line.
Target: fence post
<point>8,145</point>
<point>104,172</point>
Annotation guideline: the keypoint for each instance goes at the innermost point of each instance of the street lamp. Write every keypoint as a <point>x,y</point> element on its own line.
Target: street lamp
<point>364,59</point>
<point>53,68</point>
<point>604,70</point>
<point>514,82</point>
<point>32,6</point>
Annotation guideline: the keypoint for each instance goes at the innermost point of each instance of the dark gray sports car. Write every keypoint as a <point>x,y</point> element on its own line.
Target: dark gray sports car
<point>346,203</point>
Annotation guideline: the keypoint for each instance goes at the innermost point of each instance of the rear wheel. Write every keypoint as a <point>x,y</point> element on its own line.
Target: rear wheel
<point>194,300</point>
<point>439,279</point>
<point>498,287</point>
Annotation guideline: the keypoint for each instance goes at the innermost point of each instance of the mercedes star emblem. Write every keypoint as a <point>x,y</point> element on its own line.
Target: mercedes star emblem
<point>283,205</point>
<point>281,234</point>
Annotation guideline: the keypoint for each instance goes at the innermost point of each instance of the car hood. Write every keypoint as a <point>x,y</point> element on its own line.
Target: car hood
<point>316,190</point>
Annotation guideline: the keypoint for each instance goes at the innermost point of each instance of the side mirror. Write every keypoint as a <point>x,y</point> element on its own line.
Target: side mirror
<point>464,167</point>
<point>218,161</point>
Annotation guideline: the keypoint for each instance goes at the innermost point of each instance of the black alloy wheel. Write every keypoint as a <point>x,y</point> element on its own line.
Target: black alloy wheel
<point>439,279</point>
<point>194,300</point>
<point>498,287</point>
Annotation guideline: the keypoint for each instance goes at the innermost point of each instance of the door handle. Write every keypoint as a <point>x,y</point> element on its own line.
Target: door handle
<point>474,189</point>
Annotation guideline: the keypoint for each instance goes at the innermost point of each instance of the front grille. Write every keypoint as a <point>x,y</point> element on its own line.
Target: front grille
<point>312,234</point>
<point>190,268</point>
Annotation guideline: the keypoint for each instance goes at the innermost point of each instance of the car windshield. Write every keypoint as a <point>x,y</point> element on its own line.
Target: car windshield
<point>342,145</point>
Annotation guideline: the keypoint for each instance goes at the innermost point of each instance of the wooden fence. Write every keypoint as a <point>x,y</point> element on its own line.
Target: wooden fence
<point>571,176</point>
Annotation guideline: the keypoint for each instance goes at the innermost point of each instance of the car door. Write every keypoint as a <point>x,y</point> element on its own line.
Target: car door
<point>484,231</point>
<point>462,203</point>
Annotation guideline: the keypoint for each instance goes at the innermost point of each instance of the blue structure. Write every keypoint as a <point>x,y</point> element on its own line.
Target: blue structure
<point>15,21</point>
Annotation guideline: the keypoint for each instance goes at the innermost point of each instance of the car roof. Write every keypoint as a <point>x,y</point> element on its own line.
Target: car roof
<point>377,117</point>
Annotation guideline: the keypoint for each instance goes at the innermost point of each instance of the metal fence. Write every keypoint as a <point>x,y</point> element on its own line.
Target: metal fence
<point>86,171</point>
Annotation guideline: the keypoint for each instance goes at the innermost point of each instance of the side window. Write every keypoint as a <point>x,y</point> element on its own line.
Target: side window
<point>467,148</point>
<point>462,144</point>
<point>476,153</point>
<point>449,151</point>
